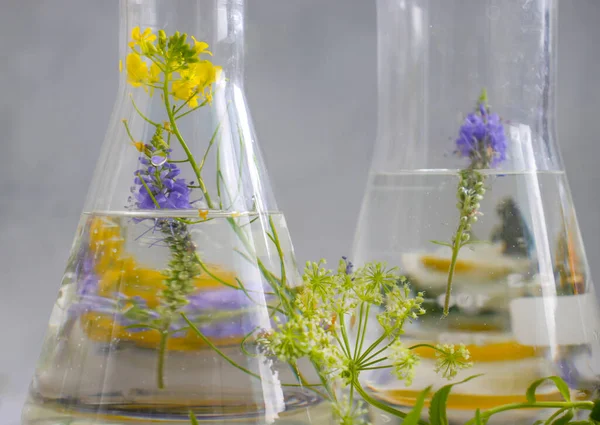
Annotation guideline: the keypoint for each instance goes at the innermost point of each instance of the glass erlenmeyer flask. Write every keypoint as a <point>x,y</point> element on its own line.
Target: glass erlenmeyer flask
<point>467,188</point>
<point>181,253</point>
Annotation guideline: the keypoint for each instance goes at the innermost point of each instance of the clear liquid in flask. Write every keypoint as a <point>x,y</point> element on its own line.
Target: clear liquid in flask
<point>100,364</point>
<point>526,253</point>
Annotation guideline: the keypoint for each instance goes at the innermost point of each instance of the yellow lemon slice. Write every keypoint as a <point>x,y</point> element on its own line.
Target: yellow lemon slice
<point>491,352</point>
<point>442,265</point>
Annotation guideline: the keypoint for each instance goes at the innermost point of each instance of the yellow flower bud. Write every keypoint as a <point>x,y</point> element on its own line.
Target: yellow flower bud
<point>139,146</point>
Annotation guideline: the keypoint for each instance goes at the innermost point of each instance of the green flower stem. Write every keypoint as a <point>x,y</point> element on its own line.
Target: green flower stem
<point>175,130</point>
<point>278,287</point>
<point>358,333</point>
<point>376,367</point>
<point>413,347</point>
<point>191,109</point>
<point>470,192</point>
<point>212,275</point>
<point>216,349</point>
<point>162,349</point>
<point>305,383</point>
<point>373,346</point>
<point>455,248</point>
<point>345,335</point>
<point>371,363</point>
<point>210,144</point>
<point>380,405</point>
<point>126,124</point>
<point>233,362</point>
<point>364,332</point>
<point>277,244</point>
<point>149,192</point>
<point>342,345</point>
<point>141,114</point>
<point>586,405</point>
<point>555,415</point>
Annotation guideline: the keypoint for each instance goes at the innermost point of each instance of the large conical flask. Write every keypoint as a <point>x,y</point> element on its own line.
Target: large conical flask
<point>467,196</point>
<point>181,255</point>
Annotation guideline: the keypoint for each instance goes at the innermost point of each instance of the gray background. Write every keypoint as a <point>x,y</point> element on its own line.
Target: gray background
<point>312,90</point>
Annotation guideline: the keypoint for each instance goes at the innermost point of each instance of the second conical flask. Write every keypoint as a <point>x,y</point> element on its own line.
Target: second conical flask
<point>181,254</point>
<point>468,197</point>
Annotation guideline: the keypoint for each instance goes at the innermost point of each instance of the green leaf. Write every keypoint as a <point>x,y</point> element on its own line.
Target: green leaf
<point>413,417</point>
<point>560,385</point>
<point>564,419</point>
<point>437,409</point>
<point>595,413</point>
<point>475,241</point>
<point>193,418</point>
<point>442,243</point>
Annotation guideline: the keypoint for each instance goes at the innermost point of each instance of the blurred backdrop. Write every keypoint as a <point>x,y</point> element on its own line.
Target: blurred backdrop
<point>311,84</point>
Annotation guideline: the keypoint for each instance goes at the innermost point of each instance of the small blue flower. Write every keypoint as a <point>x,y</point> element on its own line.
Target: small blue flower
<point>157,179</point>
<point>349,265</point>
<point>482,138</point>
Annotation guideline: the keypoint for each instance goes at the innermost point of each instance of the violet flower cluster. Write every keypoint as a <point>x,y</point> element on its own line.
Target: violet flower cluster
<point>157,184</point>
<point>482,138</point>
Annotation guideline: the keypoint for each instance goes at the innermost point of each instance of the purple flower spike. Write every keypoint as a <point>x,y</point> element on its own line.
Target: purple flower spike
<point>482,138</point>
<point>157,185</point>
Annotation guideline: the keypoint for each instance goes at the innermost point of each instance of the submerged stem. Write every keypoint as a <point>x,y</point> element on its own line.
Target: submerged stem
<point>469,193</point>
<point>162,352</point>
<point>455,248</point>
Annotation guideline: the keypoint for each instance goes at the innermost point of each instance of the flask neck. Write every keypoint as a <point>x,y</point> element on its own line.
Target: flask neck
<point>219,23</point>
<point>434,59</point>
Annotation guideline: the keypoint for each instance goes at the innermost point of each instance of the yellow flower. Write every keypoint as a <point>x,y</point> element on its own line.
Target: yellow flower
<point>200,47</point>
<point>137,70</point>
<point>206,73</point>
<point>196,81</point>
<point>155,71</point>
<point>142,39</point>
<point>184,89</point>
